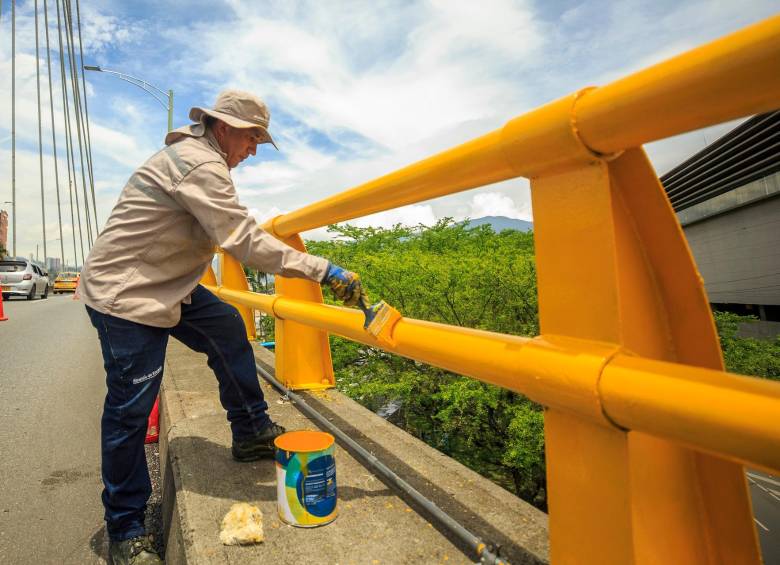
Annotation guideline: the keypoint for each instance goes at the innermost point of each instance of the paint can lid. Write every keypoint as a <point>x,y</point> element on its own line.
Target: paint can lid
<point>304,441</point>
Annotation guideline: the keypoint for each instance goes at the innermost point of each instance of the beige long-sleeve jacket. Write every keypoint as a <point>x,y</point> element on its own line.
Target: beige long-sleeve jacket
<point>161,235</point>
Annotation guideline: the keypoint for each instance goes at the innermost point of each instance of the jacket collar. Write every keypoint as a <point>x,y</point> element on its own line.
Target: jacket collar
<point>209,136</point>
<point>198,130</point>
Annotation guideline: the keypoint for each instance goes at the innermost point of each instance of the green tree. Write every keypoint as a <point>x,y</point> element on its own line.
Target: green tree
<point>473,278</point>
<point>464,277</point>
<point>744,355</point>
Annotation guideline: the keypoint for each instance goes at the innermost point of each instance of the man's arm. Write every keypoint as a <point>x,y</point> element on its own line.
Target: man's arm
<point>207,192</point>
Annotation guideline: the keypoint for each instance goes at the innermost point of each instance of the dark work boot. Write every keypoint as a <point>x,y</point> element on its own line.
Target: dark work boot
<point>135,551</point>
<point>257,446</point>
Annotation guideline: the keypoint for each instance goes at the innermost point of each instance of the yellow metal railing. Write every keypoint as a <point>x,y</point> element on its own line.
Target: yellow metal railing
<point>645,434</point>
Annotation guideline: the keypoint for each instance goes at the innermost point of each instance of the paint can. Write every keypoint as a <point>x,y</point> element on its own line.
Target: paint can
<point>306,478</point>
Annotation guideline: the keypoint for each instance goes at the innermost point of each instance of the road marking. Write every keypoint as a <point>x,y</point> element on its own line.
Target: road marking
<point>770,492</point>
<point>764,479</point>
<point>760,524</point>
<point>758,485</point>
<point>38,301</point>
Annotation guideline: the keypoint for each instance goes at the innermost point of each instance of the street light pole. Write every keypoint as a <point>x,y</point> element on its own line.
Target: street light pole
<point>170,109</point>
<point>145,86</point>
<point>13,119</point>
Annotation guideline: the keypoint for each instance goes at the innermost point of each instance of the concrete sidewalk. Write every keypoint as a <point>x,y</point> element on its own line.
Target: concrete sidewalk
<point>375,525</point>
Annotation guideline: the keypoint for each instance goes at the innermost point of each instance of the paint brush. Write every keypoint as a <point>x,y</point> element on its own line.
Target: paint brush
<point>380,320</point>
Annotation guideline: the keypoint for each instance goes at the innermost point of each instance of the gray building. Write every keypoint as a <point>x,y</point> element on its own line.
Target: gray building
<point>53,264</point>
<point>727,198</point>
<point>4,229</point>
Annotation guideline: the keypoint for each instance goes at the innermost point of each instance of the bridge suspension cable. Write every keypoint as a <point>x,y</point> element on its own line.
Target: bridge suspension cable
<point>67,48</point>
<point>86,120</point>
<point>40,130</point>
<point>77,113</point>
<point>72,189</point>
<point>53,132</point>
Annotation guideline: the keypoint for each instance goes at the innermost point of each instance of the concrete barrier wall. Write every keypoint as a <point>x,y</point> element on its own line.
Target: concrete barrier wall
<point>201,482</point>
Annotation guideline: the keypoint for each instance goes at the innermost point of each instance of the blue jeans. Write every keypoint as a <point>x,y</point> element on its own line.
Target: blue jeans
<point>134,355</point>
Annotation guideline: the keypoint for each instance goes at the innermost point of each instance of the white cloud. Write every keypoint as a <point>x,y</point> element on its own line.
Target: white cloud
<point>448,64</point>
<point>29,216</point>
<point>268,178</point>
<point>668,153</point>
<point>318,234</point>
<point>413,215</point>
<point>496,204</point>
<point>355,91</point>
<point>118,146</point>
<point>101,31</point>
<point>265,214</point>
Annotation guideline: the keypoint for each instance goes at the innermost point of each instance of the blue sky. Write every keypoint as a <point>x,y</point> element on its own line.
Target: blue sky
<point>356,89</point>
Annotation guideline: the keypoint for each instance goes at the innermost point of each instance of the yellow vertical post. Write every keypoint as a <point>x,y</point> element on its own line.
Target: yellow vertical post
<point>613,266</point>
<point>303,359</point>
<point>232,276</point>
<point>587,464</point>
<point>209,278</point>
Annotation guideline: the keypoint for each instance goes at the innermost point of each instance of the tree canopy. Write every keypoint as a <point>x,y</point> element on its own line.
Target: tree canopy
<point>451,274</point>
<point>471,277</point>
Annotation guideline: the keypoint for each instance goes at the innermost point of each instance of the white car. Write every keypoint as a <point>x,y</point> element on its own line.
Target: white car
<point>20,277</point>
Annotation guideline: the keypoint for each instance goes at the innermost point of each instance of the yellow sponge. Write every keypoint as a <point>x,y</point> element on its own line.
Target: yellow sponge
<point>242,525</point>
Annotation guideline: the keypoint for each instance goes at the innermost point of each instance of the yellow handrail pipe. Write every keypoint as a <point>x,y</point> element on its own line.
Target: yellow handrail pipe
<point>642,425</point>
<point>542,372</point>
<point>709,410</point>
<point>733,76</point>
<point>721,413</point>
<point>730,77</point>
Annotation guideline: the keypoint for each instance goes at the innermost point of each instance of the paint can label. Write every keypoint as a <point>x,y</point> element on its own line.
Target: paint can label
<point>306,487</point>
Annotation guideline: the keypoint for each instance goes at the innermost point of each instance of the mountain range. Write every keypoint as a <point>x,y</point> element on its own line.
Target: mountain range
<point>501,223</point>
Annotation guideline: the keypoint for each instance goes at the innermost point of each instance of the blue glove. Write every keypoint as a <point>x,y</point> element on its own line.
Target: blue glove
<point>346,285</point>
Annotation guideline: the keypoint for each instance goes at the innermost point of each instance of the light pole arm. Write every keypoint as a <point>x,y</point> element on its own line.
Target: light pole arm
<point>145,86</point>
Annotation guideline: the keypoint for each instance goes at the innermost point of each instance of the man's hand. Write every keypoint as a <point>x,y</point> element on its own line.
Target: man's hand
<point>346,285</point>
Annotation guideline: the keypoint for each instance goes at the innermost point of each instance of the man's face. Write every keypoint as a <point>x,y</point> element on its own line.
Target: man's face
<point>238,143</point>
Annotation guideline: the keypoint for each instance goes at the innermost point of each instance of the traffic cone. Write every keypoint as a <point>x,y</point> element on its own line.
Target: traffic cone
<point>152,427</point>
<point>2,315</point>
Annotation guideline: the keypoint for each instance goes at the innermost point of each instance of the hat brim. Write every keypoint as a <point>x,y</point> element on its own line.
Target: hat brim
<point>197,114</point>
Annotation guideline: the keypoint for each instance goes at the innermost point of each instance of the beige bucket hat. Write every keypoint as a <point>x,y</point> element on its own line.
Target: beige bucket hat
<point>240,110</point>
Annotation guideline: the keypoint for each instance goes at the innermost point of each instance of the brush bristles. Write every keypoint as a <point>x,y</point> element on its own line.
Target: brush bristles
<point>379,321</point>
<point>382,325</point>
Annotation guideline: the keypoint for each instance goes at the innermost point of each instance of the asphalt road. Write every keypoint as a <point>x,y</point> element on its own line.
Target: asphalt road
<point>765,491</point>
<point>52,389</point>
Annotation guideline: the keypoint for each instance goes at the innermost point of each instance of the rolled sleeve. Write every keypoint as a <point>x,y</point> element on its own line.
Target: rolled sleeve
<point>208,193</point>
